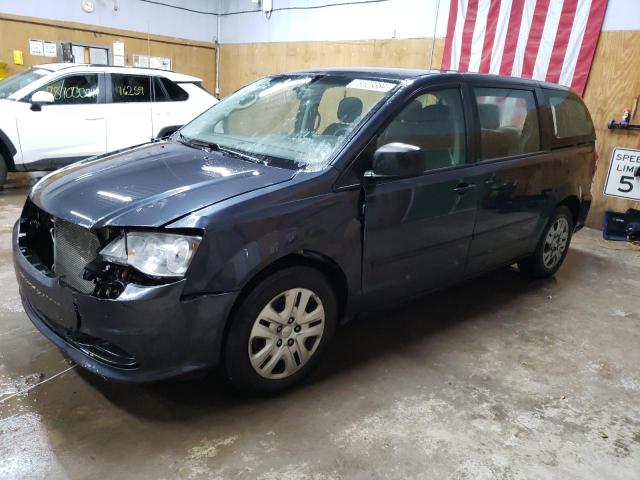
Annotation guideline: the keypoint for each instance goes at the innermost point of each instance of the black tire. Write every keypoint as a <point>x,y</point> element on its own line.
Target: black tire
<point>237,362</point>
<point>535,265</point>
<point>3,170</point>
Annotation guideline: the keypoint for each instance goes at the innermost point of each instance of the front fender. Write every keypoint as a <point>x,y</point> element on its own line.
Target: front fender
<point>238,248</point>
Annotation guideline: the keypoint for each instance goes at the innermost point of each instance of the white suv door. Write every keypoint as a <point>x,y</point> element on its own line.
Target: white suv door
<point>176,104</point>
<point>170,107</point>
<point>72,128</point>
<point>128,110</point>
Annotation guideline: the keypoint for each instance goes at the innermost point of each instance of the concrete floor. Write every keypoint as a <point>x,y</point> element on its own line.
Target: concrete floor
<point>502,377</point>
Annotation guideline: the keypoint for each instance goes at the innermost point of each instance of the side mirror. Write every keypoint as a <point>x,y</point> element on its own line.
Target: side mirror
<point>396,160</point>
<point>41,98</point>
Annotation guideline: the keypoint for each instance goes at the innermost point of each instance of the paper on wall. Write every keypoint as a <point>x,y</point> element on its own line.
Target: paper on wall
<point>36,48</point>
<point>118,61</point>
<point>50,49</point>
<point>160,63</point>
<point>118,49</point>
<point>18,58</point>
<point>141,61</point>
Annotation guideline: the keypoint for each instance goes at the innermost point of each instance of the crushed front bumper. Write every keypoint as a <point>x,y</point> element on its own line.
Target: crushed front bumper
<point>148,333</point>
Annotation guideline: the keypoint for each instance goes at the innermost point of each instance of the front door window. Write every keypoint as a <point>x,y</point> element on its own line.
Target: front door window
<point>434,122</point>
<point>80,89</point>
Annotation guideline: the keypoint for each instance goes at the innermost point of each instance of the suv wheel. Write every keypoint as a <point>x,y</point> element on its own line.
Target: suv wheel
<point>552,248</point>
<point>3,170</point>
<point>280,330</point>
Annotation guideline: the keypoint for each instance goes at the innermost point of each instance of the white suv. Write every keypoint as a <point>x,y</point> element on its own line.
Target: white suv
<point>56,114</point>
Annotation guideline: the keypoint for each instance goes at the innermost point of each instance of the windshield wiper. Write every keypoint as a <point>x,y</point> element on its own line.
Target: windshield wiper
<point>194,142</point>
<point>212,146</point>
<point>238,154</point>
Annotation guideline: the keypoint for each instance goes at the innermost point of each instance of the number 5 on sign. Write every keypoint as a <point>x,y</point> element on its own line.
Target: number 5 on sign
<point>621,179</point>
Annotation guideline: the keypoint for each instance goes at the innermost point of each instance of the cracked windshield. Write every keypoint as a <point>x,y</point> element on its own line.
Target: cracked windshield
<point>290,121</point>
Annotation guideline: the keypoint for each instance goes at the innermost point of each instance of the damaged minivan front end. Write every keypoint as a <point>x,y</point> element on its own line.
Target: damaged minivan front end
<point>102,272</point>
<point>119,312</point>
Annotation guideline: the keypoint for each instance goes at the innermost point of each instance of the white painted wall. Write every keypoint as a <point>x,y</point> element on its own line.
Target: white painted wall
<point>383,20</point>
<point>390,19</point>
<point>622,15</point>
<point>131,15</point>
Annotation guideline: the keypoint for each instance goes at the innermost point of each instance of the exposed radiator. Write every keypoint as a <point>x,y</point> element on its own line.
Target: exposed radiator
<point>74,248</point>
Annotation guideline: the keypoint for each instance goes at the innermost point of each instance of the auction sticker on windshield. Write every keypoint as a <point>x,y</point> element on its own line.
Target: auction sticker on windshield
<point>621,179</point>
<point>373,85</point>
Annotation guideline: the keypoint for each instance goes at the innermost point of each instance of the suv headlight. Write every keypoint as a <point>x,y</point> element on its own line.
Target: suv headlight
<point>155,254</point>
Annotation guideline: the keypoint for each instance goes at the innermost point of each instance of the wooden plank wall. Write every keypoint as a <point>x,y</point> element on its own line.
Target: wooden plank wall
<point>190,57</point>
<point>244,63</point>
<point>613,84</point>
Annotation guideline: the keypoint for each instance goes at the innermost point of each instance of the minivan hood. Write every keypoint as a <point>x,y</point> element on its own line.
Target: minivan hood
<point>149,185</point>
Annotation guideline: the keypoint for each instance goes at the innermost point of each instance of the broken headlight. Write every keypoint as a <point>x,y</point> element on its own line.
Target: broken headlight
<point>154,254</point>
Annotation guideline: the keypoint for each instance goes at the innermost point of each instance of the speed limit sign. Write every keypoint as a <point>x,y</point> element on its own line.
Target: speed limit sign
<point>623,179</point>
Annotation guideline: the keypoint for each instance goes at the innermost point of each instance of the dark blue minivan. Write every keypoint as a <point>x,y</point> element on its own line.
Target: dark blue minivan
<point>246,237</point>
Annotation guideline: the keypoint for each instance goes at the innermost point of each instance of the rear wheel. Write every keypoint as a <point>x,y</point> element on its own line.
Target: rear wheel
<point>552,248</point>
<point>280,330</point>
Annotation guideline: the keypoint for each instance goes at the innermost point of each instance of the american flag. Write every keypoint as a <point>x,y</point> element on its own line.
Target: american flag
<point>549,40</point>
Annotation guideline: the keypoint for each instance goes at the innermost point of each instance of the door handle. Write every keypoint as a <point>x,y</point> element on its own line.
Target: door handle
<point>94,118</point>
<point>463,188</point>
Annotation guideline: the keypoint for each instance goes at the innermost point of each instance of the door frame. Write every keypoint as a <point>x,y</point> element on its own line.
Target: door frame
<point>346,179</point>
<point>109,100</point>
<point>108,48</point>
<point>505,162</point>
<point>451,172</point>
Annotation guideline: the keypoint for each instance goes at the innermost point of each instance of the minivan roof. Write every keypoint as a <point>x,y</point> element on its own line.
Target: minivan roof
<point>411,74</point>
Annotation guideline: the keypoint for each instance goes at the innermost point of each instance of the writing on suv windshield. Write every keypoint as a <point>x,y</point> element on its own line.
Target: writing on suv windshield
<point>292,121</point>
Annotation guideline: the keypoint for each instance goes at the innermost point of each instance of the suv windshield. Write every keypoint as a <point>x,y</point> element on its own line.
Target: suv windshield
<point>291,121</point>
<point>12,84</point>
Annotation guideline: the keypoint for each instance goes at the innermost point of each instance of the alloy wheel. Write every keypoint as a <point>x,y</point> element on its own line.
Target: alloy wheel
<point>555,242</point>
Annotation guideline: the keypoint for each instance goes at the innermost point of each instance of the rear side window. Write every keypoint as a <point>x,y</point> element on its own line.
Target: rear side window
<point>74,89</point>
<point>130,88</point>
<point>508,121</point>
<point>570,117</point>
<point>168,91</point>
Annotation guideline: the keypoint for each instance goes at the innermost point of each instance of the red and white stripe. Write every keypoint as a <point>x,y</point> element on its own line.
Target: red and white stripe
<point>549,40</point>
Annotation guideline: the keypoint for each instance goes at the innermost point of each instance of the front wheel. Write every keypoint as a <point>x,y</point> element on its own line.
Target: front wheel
<point>3,171</point>
<point>552,248</point>
<point>280,330</point>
